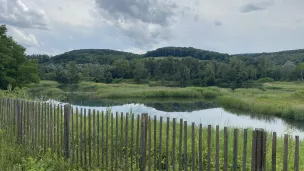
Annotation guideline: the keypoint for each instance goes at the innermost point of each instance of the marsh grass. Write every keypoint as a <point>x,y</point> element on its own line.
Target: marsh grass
<point>286,101</point>
<point>281,99</point>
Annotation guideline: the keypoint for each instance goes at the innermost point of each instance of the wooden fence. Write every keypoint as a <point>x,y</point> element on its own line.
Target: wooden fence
<point>94,139</point>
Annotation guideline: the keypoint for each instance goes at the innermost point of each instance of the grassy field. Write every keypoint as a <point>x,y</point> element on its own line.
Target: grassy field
<point>282,99</point>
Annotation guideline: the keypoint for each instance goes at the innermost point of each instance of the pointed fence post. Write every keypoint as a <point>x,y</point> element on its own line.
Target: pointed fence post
<point>143,141</point>
<point>19,122</point>
<point>259,149</point>
<point>67,113</point>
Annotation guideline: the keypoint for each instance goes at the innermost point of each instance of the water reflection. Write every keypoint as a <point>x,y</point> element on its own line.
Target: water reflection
<point>198,112</point>
<point>161,104</point>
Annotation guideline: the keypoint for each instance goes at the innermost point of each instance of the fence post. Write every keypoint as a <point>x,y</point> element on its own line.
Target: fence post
<point>260,150</point>
<point>143,142</point>
<point>67,113</point>
<point>19,122</point>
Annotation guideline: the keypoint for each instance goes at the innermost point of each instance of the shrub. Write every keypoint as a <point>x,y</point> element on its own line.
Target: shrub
<point>265,80</point>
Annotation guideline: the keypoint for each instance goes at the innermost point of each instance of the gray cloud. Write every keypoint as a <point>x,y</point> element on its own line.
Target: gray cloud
<point>251,8</point>
<point>15,13</point>
<point>257,6</point>
<point>145,22</point>
<point>217,23</point>
<point>146,11</point>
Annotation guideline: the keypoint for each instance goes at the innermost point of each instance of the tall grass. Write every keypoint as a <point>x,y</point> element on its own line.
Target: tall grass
<point>287,103</point>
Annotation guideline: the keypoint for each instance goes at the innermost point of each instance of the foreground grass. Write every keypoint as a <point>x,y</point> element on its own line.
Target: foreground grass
<point>15,157</point>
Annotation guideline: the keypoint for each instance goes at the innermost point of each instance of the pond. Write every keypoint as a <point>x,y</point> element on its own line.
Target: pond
<point>190,110</point>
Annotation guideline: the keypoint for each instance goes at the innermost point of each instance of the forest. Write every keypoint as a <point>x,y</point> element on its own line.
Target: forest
<point>172,66</point>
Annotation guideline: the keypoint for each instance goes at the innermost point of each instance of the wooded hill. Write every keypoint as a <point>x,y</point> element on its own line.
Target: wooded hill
<point>176,66</point>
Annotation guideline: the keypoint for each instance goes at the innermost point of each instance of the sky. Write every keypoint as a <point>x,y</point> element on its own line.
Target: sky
<point>228,26</point>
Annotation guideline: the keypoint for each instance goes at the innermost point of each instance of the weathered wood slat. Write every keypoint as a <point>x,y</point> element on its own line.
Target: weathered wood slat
<point>180,161</point>
<point>126,142</point>
<point>209,149</point>
<point>297,151</point>
<point>285,157</point>
<point>235,150</point>
<point>174,144</point>
<point>274,152</point>
<point>116,150</point>
<point>185,146</point>
<point>81,138</point>
<point>149,144</point>
<point>112,142</point>
<point>155,143</point>
<point>132,140</point>
<point>200,148</point>
<point>217,148</point>
<point>244,159</point>
<point>160,143</point>
<point>225,149</point>
<point>167,144</point>
<point>193,146</point>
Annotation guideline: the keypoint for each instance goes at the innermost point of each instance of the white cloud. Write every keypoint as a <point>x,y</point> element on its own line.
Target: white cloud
<point>25,39</point>
<point>16,13</point>
<point>68,13</point>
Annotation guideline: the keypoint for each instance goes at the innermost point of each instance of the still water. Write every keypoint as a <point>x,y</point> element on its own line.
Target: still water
<point>206,113</point>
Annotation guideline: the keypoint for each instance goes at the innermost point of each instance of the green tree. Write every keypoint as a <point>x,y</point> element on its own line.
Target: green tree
<point>121,68</point>
<point>109,77</point>
<point>287,70</point>
<point>300,69</point>
<point>140,73</point>
<point>74,77</point>
<point>209,75</point>
<point>15,68</point>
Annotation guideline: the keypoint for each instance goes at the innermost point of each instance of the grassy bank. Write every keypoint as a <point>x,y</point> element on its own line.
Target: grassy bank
<point>285,100</point>
<point>51,88</point>
<point>282,99</point>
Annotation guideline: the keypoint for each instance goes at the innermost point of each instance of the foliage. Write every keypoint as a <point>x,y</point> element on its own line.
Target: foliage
<point>16,93</point>
<point>185,52</point>
<point>265,80</point>
<point>177,65</point>
<point>15,68</point>
<point>300,69</point>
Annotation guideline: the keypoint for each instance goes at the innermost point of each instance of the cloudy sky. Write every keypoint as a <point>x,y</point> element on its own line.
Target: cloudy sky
<point>229,26</point>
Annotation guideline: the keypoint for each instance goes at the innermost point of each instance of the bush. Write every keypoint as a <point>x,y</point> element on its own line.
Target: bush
<point>117,80</point>
<point>265,80</point>
<point>299,94</point>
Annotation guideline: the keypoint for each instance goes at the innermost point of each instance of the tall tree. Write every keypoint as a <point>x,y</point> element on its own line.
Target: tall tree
<point>209,75</point>
<point>140,72</point>
<point>300,69</point>
<point>15,68</point>
<point>74,77</point>
<point>121,68</point>
<point>287,69</point>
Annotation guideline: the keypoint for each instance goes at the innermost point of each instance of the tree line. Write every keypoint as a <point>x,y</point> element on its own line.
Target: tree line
<point>232,71</point>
